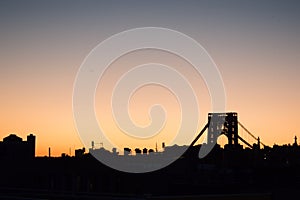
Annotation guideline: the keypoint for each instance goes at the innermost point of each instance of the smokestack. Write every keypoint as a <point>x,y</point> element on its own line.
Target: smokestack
<point>49,152</point>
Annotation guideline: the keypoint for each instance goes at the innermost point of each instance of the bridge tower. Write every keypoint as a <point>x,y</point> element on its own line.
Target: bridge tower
<point>223,123</point>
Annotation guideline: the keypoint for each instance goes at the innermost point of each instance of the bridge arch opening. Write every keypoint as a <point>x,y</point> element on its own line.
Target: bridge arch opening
<point>222,140</point>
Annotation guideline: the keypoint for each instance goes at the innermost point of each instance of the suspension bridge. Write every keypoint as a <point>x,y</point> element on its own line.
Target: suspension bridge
<point>226,124</point>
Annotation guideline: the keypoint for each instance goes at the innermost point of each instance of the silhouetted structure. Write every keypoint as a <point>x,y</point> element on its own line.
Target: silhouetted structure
<point>79,152</point>
<point>14,148</point>
<point>295,141</point>
<point>127,151</point>
<point>223,123</point>
<point>257,173</point>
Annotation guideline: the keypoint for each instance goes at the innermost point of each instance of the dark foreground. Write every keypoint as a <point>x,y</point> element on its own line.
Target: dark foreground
<point>224,174</point>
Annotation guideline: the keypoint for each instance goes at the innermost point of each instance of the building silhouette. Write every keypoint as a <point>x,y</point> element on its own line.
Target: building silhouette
<point>14,148</point>
<point>231,172</point>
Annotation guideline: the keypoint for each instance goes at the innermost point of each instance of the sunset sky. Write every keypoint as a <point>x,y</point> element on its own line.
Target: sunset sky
<point>255,44</point>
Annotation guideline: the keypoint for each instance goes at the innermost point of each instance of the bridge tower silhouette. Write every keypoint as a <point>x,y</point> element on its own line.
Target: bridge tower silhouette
<point>225,124</point>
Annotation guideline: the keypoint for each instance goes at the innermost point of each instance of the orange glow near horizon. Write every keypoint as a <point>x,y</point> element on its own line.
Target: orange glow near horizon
<point>49,115</point>
<point>42,47</point>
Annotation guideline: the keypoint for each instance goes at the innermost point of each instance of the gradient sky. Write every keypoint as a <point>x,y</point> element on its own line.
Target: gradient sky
<point>255,44</point>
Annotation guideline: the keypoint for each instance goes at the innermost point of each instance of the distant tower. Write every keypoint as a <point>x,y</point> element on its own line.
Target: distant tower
<point>31,145</point>
<point>295,142</point>
<point>93,145</point>
<point>223,123</point>
<point>258,143</point>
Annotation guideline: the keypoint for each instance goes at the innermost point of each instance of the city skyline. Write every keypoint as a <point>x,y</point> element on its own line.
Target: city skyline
<point>232,171</point>
<point>254,44</point>
<point>231,138</point>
